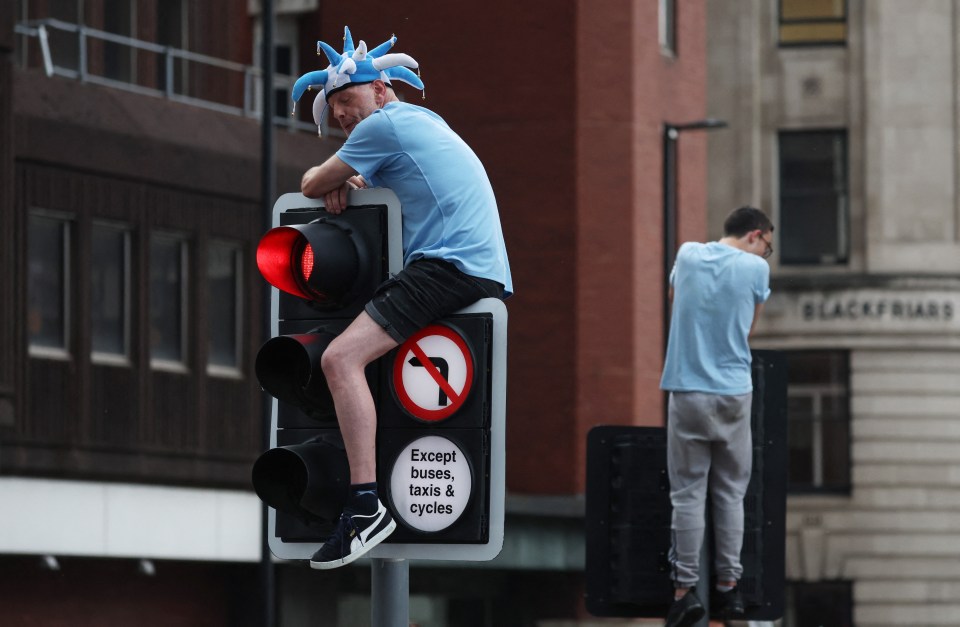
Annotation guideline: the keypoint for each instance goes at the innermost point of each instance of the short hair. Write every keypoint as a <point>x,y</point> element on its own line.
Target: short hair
<point>745,219</point>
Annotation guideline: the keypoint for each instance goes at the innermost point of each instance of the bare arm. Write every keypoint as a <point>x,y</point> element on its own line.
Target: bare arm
<point>330,180</point>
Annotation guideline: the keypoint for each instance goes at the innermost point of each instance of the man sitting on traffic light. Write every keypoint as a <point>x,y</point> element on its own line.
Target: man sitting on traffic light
<point>453,249</point>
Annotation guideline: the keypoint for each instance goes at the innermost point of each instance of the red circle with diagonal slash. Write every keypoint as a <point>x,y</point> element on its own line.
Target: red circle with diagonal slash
<point>412,349</point>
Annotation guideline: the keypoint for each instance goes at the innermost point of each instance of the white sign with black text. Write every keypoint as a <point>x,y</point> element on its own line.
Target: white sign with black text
<point>431,483</point>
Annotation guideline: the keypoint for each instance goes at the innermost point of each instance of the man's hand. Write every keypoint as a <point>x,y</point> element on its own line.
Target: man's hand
<point>336,201</point>
<point>331,181</point>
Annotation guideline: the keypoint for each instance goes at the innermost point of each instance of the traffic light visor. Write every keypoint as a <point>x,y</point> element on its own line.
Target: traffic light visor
<point>288,368</point>
<point>318,262</point>
<point>309,481</point>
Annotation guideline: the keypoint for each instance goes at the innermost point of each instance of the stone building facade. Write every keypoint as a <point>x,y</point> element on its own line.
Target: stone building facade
<point>844,126</point>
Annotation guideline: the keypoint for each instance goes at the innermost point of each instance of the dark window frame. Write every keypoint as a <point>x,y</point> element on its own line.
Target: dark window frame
<point>786,255</point>
<point>818,391</point>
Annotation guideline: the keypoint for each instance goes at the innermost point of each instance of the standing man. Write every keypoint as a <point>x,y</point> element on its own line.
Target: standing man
<point>453,249</point>
<point>718,290</point>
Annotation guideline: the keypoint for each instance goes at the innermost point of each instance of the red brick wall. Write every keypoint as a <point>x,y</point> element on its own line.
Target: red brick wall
<point>564,104</point>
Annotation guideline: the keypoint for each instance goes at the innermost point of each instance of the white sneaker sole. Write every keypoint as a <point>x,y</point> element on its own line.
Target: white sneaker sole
<point>367,546</point>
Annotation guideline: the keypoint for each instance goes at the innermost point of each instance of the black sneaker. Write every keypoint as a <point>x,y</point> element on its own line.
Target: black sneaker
<point>730,603</point>
<point>355,535</point>
<point>685,611</point>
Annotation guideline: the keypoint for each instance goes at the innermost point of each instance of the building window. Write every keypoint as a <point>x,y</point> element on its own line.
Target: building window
<point>64,45</point>
<point>110,293</point>
<point>813,22</point>
<point>120,59</point>
<point>668,27</point>
<point>814,216</point>
<point>225,307</point>
<point>168,301</point>
<point>818,421</point>
<point>173,31</point>
<point>819,603</point>
<point>48,280</point>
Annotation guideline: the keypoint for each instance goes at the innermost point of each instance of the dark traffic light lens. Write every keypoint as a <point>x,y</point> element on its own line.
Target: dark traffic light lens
<point>288,368</point>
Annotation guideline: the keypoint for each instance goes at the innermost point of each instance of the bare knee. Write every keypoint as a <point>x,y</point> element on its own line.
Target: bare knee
<point>339,365</point>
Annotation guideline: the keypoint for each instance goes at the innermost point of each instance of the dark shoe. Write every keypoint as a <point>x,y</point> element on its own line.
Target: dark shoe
<point>354,536</point>
<point>730,603</point>
<point>685,611</point>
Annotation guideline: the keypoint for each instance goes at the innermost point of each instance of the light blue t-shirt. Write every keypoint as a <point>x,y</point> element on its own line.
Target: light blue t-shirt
<point>449,211</point>
<point>716,288</point>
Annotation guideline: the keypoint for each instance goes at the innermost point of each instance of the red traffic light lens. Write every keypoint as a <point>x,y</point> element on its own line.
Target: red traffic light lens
<point>306,262</point>
<point>281,258</point>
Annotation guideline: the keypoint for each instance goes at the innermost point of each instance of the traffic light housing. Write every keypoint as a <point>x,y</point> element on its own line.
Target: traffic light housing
<point>628,511</point>
<point>440,466</point>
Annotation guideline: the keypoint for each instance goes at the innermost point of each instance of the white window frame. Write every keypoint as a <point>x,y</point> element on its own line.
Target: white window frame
<point>667,27</point>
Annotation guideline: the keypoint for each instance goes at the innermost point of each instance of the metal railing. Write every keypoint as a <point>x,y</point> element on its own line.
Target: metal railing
<point>99,57</point>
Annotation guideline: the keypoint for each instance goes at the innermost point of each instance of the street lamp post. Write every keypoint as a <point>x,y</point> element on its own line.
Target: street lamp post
<point>671,133</point>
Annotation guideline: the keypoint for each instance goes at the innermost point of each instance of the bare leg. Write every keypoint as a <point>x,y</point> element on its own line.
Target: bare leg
<point>343,366</point>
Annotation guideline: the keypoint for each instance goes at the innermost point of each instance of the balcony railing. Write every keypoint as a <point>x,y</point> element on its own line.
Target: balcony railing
<point>95,56</point>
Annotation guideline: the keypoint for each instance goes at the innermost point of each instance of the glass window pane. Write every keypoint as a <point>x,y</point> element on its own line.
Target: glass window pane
<point>109,269</point>
<point>118,59</point>
<point>810,230</point>
<point>813,21</point>
<point>817,367</point>
<point>807,9</point>
<point>223,290</point>
<point>167,297</point>
<point>668,26</point>
<point>818,420</point>
<point>817,32</point>
<point>812,161</point>
<point>46,282</point>
<point>819,604</point>
<point>836,453</point>
<point>172,31</point>
<point>64,45</point>
<point>800,440</point>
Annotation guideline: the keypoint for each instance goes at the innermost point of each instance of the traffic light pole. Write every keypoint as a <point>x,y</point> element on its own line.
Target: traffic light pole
<point>267,192</point>
<point>390,593</point>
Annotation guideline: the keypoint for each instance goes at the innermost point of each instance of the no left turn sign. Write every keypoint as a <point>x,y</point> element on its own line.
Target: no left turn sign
<point>433,373</point>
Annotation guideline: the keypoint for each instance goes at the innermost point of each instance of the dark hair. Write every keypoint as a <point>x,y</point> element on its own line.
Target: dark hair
<point>745,219</point>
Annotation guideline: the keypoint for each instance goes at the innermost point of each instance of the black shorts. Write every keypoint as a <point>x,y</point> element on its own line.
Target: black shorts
<point>423,292</point>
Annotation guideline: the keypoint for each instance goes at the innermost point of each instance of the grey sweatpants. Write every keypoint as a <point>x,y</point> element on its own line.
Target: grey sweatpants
<point>708,444</point>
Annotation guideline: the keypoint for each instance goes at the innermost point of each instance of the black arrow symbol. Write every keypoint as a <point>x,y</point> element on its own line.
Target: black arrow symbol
<point>441,365</point>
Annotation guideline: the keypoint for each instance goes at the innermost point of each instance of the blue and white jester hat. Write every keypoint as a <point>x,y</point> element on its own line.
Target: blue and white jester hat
<point>356,66</point>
